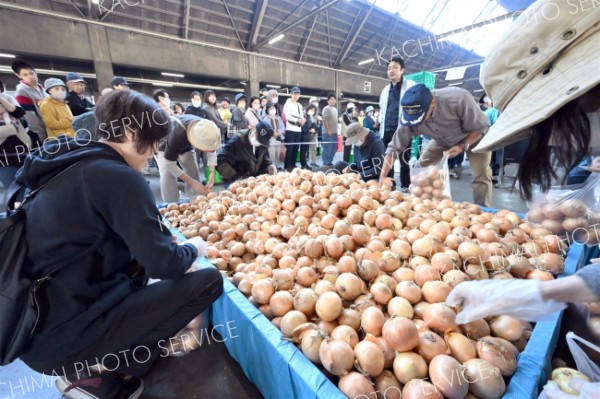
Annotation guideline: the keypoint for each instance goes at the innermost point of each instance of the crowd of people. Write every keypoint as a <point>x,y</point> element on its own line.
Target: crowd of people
<point>224,136</point>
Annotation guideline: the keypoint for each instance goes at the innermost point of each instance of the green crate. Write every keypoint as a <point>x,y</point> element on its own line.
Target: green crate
<point>217,177</point>
<point>427,78</point>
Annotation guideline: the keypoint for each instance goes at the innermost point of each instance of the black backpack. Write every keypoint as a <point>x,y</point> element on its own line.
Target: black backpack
<point>19,302</point>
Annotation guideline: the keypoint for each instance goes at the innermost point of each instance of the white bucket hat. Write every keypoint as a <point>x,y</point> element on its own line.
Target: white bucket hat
<point>549,57</point>
<point>204,135</point>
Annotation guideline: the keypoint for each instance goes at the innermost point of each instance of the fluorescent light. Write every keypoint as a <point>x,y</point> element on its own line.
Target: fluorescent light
<point>455,84</point>
<point>276,39</point>
<point>161,84</point>
<point>5,55</point>
<point>273,86</point>
<point>96,1</point>
<point>366,61</point>
<point>175,75</point>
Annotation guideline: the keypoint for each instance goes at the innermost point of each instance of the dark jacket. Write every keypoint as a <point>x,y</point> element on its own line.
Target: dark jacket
<point>100,220</point>
<point>372,153</point>
<point>369,122</point>
<point>85,126</point>
<point>197,111</point>
<point>177,142</point>
<point>78,104</point>
<point>237,159</point>
<point>311,123</point>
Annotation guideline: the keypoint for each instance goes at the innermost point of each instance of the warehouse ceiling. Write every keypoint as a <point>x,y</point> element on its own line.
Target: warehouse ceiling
<point>333,33</point>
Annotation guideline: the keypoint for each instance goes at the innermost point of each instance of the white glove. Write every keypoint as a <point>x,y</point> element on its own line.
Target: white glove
<point>198,243</point>
<point>521,299</point>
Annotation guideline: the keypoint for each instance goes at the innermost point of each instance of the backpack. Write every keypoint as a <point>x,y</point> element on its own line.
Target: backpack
<point>19,295</point>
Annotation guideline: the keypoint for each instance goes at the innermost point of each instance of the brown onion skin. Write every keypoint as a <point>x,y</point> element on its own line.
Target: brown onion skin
<point>420,389</point>
<point>355,385</point>
<point>485,380</point>
<point>336,356</point>
<point>400,333</point>
<point>446,375</point>
<point>387,386</point>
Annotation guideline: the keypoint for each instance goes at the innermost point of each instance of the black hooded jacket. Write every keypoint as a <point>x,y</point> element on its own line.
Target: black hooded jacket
<point>100,220</point>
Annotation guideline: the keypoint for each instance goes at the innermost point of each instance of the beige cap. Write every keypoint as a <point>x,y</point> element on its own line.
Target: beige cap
<point>549,57</point>
<point>355,132</point>
<point>204,135</point>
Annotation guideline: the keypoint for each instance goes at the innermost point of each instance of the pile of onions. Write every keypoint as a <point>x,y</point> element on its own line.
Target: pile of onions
<point>357,276</point>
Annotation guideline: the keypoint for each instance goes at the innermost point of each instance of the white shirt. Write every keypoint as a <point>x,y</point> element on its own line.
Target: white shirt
<point>292,112</point>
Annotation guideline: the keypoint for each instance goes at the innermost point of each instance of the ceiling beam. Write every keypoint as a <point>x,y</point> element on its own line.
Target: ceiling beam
<point>306,38</point>
<point>353,34</point>
<point>328,36</point>
<point>242,46</point>
<point>77,8</point>
<point>186,19</point>
<point>300,20</point>
<point>259,14</point>
<point>387,39</point>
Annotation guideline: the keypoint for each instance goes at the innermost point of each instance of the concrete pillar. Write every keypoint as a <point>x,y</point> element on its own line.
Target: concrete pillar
<point>338,91</point>
<point>253,83</point>
<point>101,57</point>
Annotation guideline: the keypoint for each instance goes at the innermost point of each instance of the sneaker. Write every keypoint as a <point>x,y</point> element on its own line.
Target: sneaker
<point>404,190</point>
<point>458,171</point>
<point>100,385</point>
<point>315,165</point>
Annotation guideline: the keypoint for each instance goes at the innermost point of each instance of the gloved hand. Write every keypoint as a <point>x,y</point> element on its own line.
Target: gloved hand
<point>199,244</point>
<point>521,299</point>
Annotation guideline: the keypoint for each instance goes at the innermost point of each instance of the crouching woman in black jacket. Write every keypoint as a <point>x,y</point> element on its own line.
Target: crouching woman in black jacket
<point>101,326</point>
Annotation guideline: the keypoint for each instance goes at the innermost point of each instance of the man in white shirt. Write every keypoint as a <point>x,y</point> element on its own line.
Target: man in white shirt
<point>293,129</point>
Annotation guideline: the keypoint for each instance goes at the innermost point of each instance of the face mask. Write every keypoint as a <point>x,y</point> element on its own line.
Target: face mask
<point>254,141</point>
<point>275,100</point>
<point>359,143</point>
<point>273,112</point>
<point>376,115</point>
<point>59,95</point>
<point>196,104</point>
<point>311,113</point>
<point>166,101</point>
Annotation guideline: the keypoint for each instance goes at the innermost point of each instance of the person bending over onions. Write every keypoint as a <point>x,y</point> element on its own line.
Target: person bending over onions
<point>99,221</point>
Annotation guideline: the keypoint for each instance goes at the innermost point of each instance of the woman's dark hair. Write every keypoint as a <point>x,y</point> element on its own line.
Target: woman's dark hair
<point>311,106</point>
<point>159,93</point>
<point>178,105</point>
<point>561,141</point>
<point>207,94</point>
<point>123,110</point>
<point>252,100</point>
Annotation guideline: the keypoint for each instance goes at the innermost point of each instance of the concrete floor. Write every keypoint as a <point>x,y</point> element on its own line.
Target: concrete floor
<point>208,372</point>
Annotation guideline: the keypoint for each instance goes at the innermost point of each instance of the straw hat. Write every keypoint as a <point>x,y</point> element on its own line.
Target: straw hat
<point>204,135</point>
<point>549,57</point>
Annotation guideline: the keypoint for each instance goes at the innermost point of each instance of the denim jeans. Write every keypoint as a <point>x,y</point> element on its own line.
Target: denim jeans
<point>329,148</point>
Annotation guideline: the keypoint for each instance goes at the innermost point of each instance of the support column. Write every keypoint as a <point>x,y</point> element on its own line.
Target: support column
<point>101,57</point>
<point>338,91</point>
<point>253,83</point>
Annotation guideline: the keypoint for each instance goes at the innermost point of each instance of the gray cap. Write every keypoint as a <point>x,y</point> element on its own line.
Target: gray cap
<point>355,132</point>
<point>53,82</point>
<point>369,109</point>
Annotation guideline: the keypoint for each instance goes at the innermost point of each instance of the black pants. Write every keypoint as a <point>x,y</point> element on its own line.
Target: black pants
<point>347,151</point>
<point>142,325</point>
<point>404,158</point>
<point>291,145</point>
<point>304,148</point>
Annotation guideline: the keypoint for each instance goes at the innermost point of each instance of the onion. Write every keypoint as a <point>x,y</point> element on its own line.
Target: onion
<point>310,343</point>
<point>369,358</point>
<point>447,376</point>
<point>540,275</point>
<point>329,306</point>
<point>440,318</point>
<point>420,389</point>
<point>387,386</point>
<point>305,301</point>
<point>348,286</point>
<point>381,293</point>
<point>336,356</point>
<point>436,291</point>
<point>346,334</point>
<point>404,274</point>
<point>431,345</point>
<point>476,329</point>
<point>262,291</point>
<point>306,276</point>
<point>334,247</point>
<point>455,277</point>
<point>485,380</point>
<point>408,366</point>
<point>443,262</point>
<point>323,286</point>
<point>281,302</point>
<point>292,320</point>
<point>399,306</point>
<point>470,252</point>
<point>355,385</point>
<point>400,333</point>
<point>372,321</point>
<point>498,355</point>
<point>350,317</point>
<point>327,326</point>
<point>408,290</point>
<point>347,264</point>
<point>461,347</point>
<point>506,327</point>
<point>368,270</point>
<point>425,273</point>
<point>423,247</point>
<point>313,249</point>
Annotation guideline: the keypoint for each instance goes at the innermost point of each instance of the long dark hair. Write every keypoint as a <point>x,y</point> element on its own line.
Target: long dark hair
<point>561,141</point>
<point>207,94</point>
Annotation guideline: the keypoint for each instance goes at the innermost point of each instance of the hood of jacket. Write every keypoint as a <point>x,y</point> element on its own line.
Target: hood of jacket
<point>57,154</point>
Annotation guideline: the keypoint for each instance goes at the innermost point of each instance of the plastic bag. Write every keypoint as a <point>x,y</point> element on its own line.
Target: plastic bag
<point>431,182</point>
<point>571,211</point>
<point>587,390</point>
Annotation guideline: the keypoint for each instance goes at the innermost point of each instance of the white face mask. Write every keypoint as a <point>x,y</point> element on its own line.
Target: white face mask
<point>275,100</point>
<point>311,113</point>
<point>273,112</point>
<point>166,101</point>
<point>59,95</point>
<point>359,143</point>
<point>254,142</point>
<point>196,103</point>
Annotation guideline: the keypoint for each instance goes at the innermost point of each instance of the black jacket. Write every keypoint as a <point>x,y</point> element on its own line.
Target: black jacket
<point>310,124</point>
<point>177,142</point>
<point>237,159</point>
<point>100,203</point>
<point>78,104</point>
<point>197,111</point>
<point>372,153</point>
